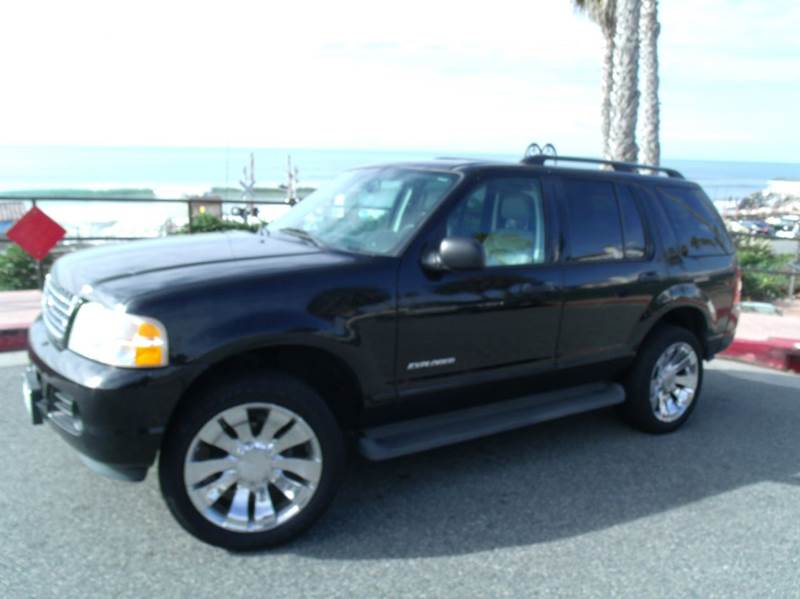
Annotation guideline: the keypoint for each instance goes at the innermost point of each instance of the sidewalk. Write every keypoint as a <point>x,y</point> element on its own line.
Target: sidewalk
<point>766,340</point>
<point>17,310</point>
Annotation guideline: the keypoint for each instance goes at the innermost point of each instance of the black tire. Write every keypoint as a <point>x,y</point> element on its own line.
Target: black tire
<point>274,387</point>
<point>637,409</point>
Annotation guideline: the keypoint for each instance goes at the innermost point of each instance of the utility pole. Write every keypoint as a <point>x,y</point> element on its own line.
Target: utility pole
<point>248,183</point>
<point>293,179</point>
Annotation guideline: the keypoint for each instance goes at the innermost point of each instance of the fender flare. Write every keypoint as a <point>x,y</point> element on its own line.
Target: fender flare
<point>685,297</point>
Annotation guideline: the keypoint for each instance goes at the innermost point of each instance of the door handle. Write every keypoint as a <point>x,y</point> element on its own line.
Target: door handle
<point>537,288</point>
<point>650,276</point>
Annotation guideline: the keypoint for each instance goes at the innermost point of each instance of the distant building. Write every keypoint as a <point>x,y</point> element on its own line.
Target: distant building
<point>784,187</point>
<point>10,212</point>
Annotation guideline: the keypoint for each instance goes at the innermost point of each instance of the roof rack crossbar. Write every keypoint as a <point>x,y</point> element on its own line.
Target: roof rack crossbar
<point>622,167</point>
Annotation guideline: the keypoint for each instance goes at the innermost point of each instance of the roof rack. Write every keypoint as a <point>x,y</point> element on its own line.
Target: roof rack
<point>464,158</point>
<point>622,167</point>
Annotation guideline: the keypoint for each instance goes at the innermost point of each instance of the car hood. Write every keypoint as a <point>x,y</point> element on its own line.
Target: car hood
<point>100,266</point>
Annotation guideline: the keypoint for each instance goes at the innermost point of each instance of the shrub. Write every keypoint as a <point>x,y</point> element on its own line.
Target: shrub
<point>757,254</point>
<point>18,270</point>
<point>208,223</point>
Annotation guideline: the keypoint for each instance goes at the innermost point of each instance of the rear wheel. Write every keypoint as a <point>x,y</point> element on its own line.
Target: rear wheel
<point>252,463</point>
<point>664,384</point>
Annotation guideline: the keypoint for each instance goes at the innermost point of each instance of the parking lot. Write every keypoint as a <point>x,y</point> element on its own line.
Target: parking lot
<point>582,507</point>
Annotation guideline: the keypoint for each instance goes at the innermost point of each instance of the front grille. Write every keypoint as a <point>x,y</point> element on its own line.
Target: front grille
<point>58,307</point>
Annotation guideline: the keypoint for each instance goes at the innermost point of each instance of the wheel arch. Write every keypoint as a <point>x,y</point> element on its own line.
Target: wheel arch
<point>686,316</point>
<point>329,375</point>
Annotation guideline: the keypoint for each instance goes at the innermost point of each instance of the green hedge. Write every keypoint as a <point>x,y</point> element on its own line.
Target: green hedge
<point>207,223</point>
<point>757,253</point>
<point>18,270</point>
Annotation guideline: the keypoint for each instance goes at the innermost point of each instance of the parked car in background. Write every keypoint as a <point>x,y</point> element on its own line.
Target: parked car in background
<point>788,231</point>
<point>734,226</point>
<point>757,227</point>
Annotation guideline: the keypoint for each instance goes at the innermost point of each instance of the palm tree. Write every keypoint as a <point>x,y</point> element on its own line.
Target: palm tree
<point>625,88</point>
<point>604,13</point>
<point>649,29</point>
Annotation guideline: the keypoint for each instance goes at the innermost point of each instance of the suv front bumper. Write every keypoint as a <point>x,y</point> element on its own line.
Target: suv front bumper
<point>114,417</point>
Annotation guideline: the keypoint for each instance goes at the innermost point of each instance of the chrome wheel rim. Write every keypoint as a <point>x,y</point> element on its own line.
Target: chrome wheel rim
<point>673,384</point>
<point>252,467</point>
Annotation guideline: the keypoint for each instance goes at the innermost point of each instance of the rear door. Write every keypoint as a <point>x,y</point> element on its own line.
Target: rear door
<point>610,276</point>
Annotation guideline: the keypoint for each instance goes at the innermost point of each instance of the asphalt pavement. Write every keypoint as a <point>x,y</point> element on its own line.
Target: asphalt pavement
<point>581,507</point>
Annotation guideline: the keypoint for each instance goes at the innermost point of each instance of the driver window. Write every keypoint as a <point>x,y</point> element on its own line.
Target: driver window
<point>506,216</point>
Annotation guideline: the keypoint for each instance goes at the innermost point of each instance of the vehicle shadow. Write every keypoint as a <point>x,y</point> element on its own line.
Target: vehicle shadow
<point>562,479</point>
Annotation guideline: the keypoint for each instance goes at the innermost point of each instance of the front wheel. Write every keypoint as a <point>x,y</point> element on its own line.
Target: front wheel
<point>251,463</point>
<point>664,384</point>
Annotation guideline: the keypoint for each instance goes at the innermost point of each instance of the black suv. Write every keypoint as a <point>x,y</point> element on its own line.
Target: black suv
<point>401,308</point>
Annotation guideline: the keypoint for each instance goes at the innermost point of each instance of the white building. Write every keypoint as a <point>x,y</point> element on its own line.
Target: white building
<point>784,187</point>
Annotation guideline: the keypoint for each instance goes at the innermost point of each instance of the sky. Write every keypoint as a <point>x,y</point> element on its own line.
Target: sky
<point>440,75</point>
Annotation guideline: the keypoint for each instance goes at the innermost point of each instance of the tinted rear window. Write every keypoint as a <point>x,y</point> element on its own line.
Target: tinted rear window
<point>594,221</point>
<point>696,222</point>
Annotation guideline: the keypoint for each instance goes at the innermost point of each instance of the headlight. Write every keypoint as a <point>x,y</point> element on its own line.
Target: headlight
<point>117,338</point>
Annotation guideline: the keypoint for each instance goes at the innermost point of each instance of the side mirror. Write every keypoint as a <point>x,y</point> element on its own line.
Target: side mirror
<point>455,253</point>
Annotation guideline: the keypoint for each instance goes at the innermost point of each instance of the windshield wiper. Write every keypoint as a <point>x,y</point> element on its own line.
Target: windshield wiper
<point>302,234</point>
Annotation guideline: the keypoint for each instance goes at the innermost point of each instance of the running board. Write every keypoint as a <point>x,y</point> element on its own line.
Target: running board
<point>420,434</point>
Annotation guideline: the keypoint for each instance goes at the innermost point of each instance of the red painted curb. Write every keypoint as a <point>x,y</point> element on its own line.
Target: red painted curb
<point>783,354</point>
<point>13,340</point>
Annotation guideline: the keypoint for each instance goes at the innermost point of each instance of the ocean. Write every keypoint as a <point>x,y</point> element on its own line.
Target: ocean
<point>178,172</point>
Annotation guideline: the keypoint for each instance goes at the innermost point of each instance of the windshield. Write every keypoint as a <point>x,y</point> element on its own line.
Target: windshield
<point>371,210</point>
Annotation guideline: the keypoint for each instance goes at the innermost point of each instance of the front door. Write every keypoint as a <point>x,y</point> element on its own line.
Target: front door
<point>459,331</point>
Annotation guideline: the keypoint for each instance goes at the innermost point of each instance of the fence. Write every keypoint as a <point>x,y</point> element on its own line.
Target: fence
<point>191,210</point>
<point>189,203</point>
<point>793,273</point>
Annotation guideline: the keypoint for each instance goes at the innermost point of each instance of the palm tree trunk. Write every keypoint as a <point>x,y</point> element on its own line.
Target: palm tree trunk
<point>604,13</point>
<point>607,84</point>
<point>649,29</point>
<point>625,90</point>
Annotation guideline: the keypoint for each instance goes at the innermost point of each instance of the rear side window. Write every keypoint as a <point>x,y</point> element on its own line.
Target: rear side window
<point>594,221</point>
<point>695,221</point>
<point>632,228</point>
